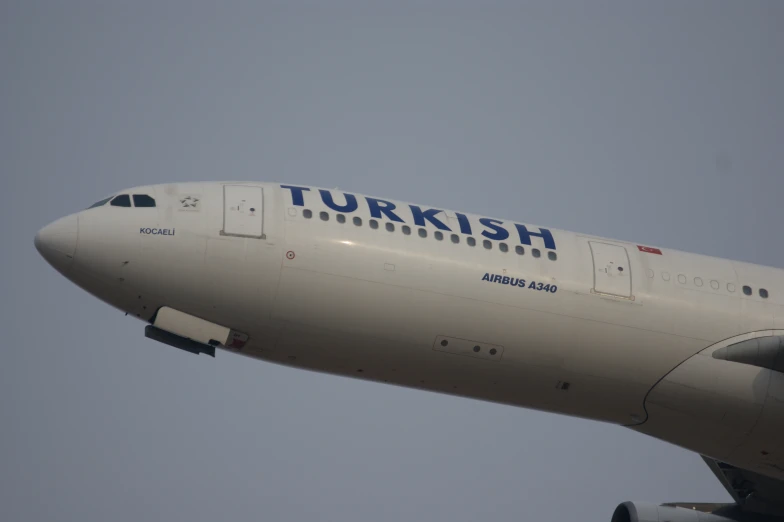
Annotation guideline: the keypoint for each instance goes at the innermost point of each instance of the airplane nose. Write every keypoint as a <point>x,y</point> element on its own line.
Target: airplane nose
<point>56,242</point>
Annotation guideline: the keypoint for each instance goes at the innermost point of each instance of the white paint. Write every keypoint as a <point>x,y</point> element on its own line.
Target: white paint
<point>349,299</point>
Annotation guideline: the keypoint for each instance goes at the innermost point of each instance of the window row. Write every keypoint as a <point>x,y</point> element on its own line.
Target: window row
<point>747,290</point>
<point>423,233</point>
<point>124,200</point>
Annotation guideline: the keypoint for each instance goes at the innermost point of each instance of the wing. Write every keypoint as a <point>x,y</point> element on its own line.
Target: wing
<point>754,493</point>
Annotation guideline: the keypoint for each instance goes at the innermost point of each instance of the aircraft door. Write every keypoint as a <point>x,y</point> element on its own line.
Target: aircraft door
<point>611,270</point>
<point>243,211</point>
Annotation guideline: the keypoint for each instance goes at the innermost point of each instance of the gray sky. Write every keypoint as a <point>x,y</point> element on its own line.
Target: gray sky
<point>658,122</point>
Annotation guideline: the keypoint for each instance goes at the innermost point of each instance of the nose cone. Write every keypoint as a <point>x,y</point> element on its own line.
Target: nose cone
<point>56,242</point>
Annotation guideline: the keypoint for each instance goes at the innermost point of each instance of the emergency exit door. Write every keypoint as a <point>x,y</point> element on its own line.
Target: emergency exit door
<point>243,212</point>
<point>611,271</point>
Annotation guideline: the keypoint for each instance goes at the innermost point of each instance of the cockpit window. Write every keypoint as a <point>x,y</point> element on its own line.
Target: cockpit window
<point>100,203</point>
<point>123,200</point>
<point>143,200</point>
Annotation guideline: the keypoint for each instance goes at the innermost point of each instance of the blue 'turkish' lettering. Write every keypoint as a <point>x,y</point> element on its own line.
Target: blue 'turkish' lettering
<point>421,215</point>
<point>350,206</point>
<point>465,225</point>
<point>380,206</point>
<point>500,232</point>
<point>525,236</point>
<point>296,194</point>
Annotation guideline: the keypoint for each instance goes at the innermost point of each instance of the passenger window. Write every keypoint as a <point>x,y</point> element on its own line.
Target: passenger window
<point>406,230</point>
<point>438,235</point>
<point>552,256</point>
<point>715,284</point>
<point>763,293</point>
<point>324,216</point>
<point>471,241</point>
<point>666,276</point>
<point>143,200</point>
<point>373,224</point>
<point>487,244</point>
<point>730,287</point>
<point>100,203</point>
<point>307,214</point>
<point>698,281</point>
<point>520,250</point>
<point>390,227</point>
<point>682,279</point>
<point>747,290</point>
<point>536,253</point>
<point>503,247</point>
<point>422,232</point>
<point>455,238</point>
<point>357,221</point>
<point>341,218</point>
<point>123,200</point>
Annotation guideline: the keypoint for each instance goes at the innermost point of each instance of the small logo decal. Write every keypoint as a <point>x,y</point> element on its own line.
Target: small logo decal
<point>649,250</point>
<point>190,203</point>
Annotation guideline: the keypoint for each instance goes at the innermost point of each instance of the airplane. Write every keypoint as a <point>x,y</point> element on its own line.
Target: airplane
<point>682,347</point>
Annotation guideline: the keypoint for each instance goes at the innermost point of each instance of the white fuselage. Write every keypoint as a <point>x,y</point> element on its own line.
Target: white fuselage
<point>485,308</point>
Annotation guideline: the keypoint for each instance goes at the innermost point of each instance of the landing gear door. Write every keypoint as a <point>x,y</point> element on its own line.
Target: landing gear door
<point>612,273</point>
<point>243,212</point>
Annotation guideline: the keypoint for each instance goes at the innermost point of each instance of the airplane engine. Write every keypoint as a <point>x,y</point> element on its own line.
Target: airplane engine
<point>649,512</point>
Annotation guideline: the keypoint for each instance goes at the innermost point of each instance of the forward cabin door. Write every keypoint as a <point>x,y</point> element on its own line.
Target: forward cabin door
<point>612,274</point>
<point>243,212</point>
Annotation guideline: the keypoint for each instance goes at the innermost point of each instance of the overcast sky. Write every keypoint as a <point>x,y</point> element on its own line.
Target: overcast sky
<point>657,122</point>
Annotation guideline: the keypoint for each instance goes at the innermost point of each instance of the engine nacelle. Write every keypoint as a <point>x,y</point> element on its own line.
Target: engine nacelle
<point>648,512</point>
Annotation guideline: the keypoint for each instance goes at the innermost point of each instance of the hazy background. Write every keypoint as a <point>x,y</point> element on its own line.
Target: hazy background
<point>658,122</point>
